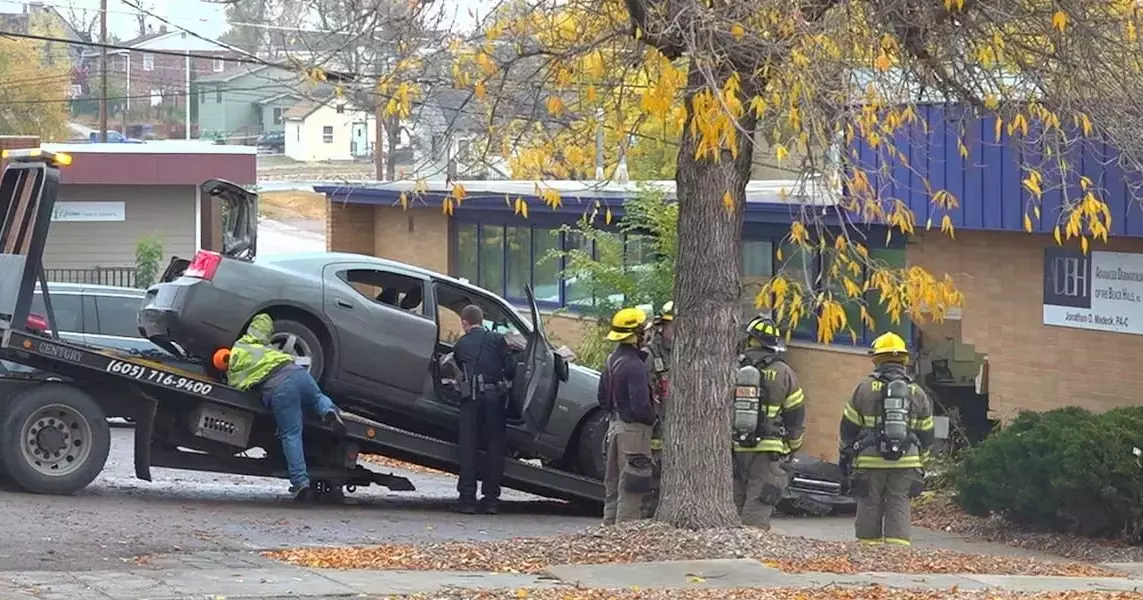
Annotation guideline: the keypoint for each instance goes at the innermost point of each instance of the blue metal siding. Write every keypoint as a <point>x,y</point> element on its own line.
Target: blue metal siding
<point>988,182</point>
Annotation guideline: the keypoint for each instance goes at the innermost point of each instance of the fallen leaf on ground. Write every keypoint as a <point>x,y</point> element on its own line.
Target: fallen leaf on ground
<point>829,593</point>
<point>941,513</point>
<point>393,463</point>
<point>647,541</point>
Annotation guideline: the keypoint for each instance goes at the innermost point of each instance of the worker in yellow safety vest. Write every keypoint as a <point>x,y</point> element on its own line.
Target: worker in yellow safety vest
<point>769,423</point>
<point>886,435</point>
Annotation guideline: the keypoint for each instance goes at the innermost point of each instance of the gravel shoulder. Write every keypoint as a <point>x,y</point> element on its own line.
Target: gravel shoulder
<point>940,513</point>
<point>649,541</point>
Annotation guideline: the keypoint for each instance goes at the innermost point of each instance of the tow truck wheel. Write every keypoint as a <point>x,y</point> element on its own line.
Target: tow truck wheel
<point>55,439</point>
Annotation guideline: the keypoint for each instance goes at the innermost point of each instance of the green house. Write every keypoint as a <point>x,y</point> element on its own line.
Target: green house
<point>246,101</point>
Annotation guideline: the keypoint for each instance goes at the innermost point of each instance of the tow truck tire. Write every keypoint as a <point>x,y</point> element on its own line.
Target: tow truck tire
<point>54,439</point>
<point>590,452</point>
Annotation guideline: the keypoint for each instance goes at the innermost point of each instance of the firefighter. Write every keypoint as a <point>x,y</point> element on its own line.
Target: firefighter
<point>886,435</point>
<point>769,423</point>
<point>658,349</point>
<point>286,389</point>
<point>625,393</point>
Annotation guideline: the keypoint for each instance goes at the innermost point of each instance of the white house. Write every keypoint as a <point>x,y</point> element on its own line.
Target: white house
<point>330,130</point>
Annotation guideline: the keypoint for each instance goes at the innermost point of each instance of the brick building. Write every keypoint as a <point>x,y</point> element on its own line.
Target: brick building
<point>155,83</point>
<point>1019,342</point>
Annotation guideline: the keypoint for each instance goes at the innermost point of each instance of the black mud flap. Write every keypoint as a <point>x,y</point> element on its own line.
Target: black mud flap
<point>144,425</point>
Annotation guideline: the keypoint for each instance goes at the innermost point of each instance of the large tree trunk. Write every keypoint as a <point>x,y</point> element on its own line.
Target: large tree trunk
<point>697,489</point>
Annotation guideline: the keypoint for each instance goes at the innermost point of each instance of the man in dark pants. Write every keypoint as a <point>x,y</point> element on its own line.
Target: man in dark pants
<point>488,369</point>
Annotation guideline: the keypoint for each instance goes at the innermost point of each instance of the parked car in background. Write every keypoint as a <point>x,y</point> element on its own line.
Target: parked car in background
<point>274,141</point>
<point>113,137</point>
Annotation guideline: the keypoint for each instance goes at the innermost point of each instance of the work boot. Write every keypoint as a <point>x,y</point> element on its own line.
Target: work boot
<point>333,420</point>
<point>303,493</point>
<point>466,506</point>
<point>487,506</point>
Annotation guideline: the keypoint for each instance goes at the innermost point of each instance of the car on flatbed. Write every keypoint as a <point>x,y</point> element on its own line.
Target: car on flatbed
<point>377,335</point>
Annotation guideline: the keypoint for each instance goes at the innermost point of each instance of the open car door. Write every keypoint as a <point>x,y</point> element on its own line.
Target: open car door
<point>239,224</point>
<point>538,376</point>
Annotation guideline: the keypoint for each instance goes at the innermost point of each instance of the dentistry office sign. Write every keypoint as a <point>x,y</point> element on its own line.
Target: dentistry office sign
<point>1102,291</point>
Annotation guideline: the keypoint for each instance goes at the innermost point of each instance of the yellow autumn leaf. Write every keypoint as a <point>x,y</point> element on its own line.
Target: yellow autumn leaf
<point>1056,234</point>
<point>737,31</point>
<point>882,62</point>
<point>404,200</point>
<point>480,91</point>
<point>780,152</point>
<point>1083,244</point>
<point>728,201</point>
<point>555,105</point>
<point>694,579</point>
<point>1060,21</point>
<point>607,216</point>
<point>1036,209</point>
<point>1027,223</point>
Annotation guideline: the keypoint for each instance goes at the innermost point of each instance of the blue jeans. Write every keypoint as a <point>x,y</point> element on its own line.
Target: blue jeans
<point>288,399</point>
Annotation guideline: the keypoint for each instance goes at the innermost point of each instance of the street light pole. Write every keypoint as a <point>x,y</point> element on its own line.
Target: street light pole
<point>187,95</point>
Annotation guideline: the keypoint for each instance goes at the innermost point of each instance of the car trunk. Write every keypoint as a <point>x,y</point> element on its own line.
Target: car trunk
<point>239,225</point>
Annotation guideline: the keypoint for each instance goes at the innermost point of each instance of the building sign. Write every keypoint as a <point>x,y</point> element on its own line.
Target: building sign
<point>89,211</point>
<point>1102,291</point>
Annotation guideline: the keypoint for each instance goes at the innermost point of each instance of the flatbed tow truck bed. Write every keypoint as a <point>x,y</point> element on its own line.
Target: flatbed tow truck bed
<point>53,434</point>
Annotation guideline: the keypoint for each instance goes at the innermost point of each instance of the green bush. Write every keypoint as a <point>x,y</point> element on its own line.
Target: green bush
<point>148,261</point>
<point>1064,470</point>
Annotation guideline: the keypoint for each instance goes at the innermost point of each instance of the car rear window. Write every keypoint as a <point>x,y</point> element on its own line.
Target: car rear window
<point>118,315</point>
<point>68,311</point>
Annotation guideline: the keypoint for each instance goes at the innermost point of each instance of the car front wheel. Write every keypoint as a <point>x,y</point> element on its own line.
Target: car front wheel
<point>590,445</point>
<point>300,341</point>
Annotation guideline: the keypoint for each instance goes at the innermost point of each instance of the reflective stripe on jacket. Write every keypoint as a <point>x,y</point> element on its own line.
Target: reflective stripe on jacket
<point>862,415</point>
<point>786,401</point>
<point>251,358</point>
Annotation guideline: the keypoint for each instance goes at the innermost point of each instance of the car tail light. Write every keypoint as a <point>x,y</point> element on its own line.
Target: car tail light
<point>204,265</point>
<point>37,323</point>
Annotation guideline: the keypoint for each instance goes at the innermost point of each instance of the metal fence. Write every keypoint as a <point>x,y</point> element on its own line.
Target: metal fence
<point>117,276</point>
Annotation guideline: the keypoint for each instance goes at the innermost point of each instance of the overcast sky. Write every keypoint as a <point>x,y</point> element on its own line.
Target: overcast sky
<point>205,18</point>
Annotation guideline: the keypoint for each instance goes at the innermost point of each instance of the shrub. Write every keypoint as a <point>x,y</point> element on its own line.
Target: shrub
<point>148,261</point>
<point>1064,470</point>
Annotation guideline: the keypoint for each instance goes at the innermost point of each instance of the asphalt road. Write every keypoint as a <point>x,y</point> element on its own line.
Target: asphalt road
<point>118,517</point>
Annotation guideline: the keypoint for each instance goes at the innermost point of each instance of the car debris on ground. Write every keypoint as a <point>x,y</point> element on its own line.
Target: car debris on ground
<point>645,541</point>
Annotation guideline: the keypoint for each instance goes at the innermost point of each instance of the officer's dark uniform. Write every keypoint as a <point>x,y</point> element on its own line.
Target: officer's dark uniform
<point>484,355</point>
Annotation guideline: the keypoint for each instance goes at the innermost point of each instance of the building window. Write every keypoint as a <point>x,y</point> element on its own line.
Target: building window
<point>218,95</point>
<point>518,249</point>
<point>546,266</point>
<point>492,258</point>
<point>217,65</point>
<point>278,112</point>
<point>327,134</point>
<point>467,253</point>
<point>148,62</point>
<point>340,109</point>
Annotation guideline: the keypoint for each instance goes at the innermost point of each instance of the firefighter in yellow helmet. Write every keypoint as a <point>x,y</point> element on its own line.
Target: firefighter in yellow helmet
<point>886,435</point>
<point>769,423</point>
<point>660,340</point>
<point>625,393</point>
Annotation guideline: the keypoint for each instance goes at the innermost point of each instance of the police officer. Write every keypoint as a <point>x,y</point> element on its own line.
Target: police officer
<point>769,423</point>
<point>886,434</point>
<point>659,341</point>
<point>625,393</point>
<point>488,368</point>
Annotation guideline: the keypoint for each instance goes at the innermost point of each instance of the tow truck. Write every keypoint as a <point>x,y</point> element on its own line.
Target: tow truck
<point>54,437</point>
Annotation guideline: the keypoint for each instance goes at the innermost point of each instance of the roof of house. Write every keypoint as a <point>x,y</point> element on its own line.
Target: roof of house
<point>231,75</point>
<point>308,106</point>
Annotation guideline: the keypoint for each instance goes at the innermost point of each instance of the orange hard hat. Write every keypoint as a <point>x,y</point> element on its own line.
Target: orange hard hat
<point>221,359</point>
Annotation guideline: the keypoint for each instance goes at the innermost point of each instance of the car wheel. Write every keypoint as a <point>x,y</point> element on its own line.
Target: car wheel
<point>590,450</point>
<point>56,439</point>
<point>298,340</point>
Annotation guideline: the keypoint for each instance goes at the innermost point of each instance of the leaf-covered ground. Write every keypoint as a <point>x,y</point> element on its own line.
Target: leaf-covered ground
<point>648,541</point>
<point>392,463</point>
<point>870,593</point>
<point>940,513</point>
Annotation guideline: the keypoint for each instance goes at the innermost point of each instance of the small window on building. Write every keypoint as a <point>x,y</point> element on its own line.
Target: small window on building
<point>148,62</point>
<point>278,112</point>
<point>217,65</point>
<point>327,134</point>
<point>341,109</point>
<point>218,95</point>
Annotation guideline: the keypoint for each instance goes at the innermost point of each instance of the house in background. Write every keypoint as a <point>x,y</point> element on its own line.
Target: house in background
<point>41,19</point>
<point>329,129</point>
<point>157,83</point>
<point>246,101</point>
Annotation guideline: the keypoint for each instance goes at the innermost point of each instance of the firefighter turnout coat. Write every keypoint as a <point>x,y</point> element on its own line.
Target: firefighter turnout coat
<point>862,420</point>
<point>783,402</point>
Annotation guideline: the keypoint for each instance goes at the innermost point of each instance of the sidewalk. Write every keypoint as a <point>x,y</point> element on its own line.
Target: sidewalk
<point>235,576</point>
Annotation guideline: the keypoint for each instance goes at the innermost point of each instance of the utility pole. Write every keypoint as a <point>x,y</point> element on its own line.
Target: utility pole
<point>379,137</point>
<point>187,95</point>
<point>103,71</point>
